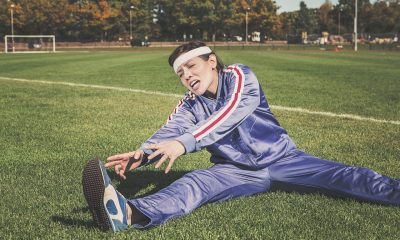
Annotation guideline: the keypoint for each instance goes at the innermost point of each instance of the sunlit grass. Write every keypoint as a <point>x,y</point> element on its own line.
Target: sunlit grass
<point>48,132</point>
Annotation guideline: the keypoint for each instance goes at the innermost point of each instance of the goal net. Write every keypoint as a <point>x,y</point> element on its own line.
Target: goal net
<point>29,43</point>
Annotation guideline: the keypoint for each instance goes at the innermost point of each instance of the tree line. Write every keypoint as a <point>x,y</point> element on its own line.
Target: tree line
<point>166,20</point>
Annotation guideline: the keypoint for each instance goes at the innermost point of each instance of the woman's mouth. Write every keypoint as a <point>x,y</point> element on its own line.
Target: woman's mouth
<point>195,84</point>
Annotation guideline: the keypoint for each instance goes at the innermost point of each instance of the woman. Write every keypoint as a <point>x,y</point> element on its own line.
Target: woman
<point>226,112</point>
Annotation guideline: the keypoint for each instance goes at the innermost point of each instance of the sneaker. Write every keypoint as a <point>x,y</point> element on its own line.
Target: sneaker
<point>107,205</point>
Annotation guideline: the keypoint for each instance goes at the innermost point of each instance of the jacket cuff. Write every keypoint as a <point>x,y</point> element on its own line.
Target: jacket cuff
<point>188,141</point>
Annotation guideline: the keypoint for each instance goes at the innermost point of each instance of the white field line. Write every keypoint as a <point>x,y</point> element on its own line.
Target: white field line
<point>93,86</point>
<point>290,109</point>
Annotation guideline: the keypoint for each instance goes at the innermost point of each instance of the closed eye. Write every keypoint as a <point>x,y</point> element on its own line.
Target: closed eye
<point>180,74</point>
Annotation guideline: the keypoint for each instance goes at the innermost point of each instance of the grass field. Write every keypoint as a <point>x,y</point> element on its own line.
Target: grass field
<point>49,131</point>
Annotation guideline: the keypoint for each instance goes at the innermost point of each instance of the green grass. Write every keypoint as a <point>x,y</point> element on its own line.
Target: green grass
<point>48,132</point>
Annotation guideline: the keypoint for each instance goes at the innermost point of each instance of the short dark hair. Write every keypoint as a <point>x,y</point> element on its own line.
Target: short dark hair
<point>186,47</point>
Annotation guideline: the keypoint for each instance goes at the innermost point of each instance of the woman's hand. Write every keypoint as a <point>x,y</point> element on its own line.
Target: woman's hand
<point>168,150</point>
<point>120,162</point>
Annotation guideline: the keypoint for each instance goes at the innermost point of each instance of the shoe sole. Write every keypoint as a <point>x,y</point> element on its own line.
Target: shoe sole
<point>93,189</point>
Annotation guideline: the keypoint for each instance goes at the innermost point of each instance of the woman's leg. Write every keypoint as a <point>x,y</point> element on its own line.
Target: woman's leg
<point>302,172</point>
<point>218,183</point>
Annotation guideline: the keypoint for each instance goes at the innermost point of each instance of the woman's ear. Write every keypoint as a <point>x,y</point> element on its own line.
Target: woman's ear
<point>212,60</point>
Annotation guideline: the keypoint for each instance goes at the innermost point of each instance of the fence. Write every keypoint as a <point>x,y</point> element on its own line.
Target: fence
<point>271,46</point>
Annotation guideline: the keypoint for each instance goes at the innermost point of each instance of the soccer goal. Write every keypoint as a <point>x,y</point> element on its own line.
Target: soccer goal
<point>29,43</point>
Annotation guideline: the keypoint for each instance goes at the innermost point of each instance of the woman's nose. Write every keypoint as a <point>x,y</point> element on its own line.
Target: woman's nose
<point>187,74</point>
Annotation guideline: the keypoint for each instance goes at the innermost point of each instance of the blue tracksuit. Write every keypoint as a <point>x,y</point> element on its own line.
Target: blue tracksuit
<point>252,153</point>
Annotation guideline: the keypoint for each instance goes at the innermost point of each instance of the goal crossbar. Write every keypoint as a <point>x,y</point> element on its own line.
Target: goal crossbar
<point>28,36</point>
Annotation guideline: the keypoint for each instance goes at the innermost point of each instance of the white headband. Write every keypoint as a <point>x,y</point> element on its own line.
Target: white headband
<point>189,55</point>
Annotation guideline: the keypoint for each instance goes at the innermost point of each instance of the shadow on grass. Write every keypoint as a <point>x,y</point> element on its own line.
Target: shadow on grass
<point>80,210</point>
<point>135,182</point>
<point>140,180</point>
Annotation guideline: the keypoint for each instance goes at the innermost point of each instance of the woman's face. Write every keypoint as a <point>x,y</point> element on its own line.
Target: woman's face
<point>200,76</point>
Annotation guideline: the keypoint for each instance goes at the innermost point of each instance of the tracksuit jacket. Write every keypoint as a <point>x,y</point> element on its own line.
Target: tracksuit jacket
<point>237,127</point>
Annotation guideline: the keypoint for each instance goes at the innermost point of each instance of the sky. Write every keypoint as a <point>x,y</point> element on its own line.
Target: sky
<point>293,5</point>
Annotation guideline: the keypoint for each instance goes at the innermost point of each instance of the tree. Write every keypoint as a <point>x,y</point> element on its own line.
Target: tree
<point>288,23</point>
<point>37,17</point>
<point>264,17</point>
<point>366,17</point>
<point>97,20</point>
<point>347,13</point>
<point>199,19</point>
<point>225,24</point>
<point>143,18</point>
<point>306,20</point>
<point>5,18</point>
<point>382,18</point>
<point>167,18</point>
<point>325,19</point>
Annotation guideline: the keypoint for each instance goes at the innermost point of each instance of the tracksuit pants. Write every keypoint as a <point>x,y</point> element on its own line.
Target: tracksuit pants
<point>298,171</point>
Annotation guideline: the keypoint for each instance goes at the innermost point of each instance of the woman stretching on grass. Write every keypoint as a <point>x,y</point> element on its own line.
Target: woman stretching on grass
<point>225,111</point>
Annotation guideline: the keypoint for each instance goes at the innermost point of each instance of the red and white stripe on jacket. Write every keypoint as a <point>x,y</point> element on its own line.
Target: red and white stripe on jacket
<point>228,109</point>
<point>225,112</point>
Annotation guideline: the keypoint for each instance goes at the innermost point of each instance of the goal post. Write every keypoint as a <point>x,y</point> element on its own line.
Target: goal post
<point>29,43</point>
